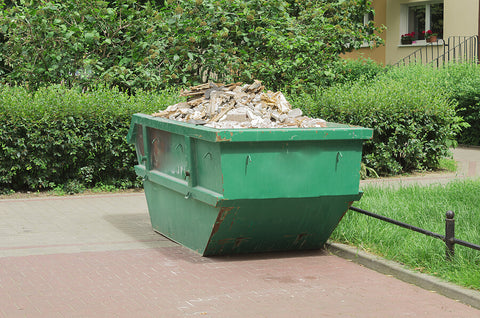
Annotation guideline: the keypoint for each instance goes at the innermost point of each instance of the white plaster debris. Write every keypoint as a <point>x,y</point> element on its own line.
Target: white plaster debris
<point>237,105</point>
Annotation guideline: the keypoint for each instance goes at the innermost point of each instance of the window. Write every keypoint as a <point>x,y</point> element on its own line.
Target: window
<point>422,17</point>
<point>368,17</point>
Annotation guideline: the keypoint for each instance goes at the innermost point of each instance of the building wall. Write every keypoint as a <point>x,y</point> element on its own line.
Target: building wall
<point>376,54</point>
<point>460,19</point>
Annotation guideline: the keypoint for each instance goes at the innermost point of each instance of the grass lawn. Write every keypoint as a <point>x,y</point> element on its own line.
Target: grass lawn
<point>424,207</point>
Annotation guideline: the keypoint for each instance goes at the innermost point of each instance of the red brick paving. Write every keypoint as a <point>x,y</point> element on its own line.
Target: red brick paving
<point>176,282</point>
<point>97,256</point>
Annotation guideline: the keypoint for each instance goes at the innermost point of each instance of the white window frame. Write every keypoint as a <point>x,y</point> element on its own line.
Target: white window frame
<point>404,18</point>
<point>366,19</point>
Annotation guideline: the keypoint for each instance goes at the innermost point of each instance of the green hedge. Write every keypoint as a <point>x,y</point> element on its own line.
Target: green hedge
<point>348,70</point>
<point>63,137</point>
<point>410,109</point>
<point>462,81</point>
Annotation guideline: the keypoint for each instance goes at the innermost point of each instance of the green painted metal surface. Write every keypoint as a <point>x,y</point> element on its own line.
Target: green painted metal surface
<point>247,190</point>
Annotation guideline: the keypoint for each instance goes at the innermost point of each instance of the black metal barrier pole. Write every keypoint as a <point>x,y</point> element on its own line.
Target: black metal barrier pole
<point>449,237</point>
<point>401,224</point>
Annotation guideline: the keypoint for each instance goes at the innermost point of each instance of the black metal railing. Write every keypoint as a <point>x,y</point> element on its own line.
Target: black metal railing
<point>448,238</point>
<point>460,49</point>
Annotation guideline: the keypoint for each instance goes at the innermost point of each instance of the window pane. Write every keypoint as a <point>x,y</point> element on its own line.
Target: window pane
<point>436,20</point>
<point>416,21</point>
<point>370,16</point>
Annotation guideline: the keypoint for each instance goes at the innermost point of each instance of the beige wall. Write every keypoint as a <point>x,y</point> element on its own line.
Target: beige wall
<point>461,17</point>
<point>377,54</point>
<point>394,52</point>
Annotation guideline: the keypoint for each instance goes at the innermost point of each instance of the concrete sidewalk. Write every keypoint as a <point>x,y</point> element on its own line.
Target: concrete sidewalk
<point>468,166</point>
<point>97,256</point>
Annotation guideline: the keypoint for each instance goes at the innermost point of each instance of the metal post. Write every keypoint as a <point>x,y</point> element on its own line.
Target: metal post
<point>450,235</point>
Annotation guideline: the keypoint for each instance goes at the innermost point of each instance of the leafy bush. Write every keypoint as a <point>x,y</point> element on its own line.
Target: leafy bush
<point>413,118</point>
<point>353,70</point>
<point>462,81</point>
<point>80,42</point>
<point>132,45</point>
<point>63,137</point>
<point>286,44</point>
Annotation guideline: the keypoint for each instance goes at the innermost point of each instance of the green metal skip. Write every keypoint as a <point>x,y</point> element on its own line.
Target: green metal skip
<point>235,191</point>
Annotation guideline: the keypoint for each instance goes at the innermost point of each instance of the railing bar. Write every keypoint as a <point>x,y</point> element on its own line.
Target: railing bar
<point>455,48</point>
<point>448,49</point>
<point>476,48</point>
<point>467,244</point>
<point>473,48</point>
<point>401,224</point>
<point>470,51</point>
<point>432,50</point>
<point>416,229</point>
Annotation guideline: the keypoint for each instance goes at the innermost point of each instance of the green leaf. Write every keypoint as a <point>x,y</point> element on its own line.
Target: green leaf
<point>89,36</point>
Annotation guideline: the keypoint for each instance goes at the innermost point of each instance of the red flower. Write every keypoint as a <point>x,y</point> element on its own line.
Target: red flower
<point>408,35</point>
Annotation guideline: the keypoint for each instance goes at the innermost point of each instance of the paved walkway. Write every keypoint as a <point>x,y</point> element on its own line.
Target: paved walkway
<point>96,256</point>
<point>468,166</point>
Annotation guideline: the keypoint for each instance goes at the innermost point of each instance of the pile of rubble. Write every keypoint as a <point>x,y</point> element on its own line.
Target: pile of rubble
<point>237,106</point>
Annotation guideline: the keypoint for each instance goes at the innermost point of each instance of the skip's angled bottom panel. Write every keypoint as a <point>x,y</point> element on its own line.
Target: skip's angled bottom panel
<point>245,226</point>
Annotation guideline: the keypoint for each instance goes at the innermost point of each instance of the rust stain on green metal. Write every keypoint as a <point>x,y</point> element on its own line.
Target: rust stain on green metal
<point>220,138</point>
<point>239,241</point>
<point>220,218</point>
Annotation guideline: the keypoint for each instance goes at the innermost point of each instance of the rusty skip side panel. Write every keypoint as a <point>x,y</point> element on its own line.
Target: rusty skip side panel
<point>224,214</point>
<point>276,224</point>
<point>220,218</point>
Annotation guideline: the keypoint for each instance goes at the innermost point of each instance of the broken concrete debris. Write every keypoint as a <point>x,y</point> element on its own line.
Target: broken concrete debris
<point>237,105</point>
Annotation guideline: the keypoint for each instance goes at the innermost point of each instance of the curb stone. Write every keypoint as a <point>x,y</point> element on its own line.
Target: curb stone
<point>376,263</point>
